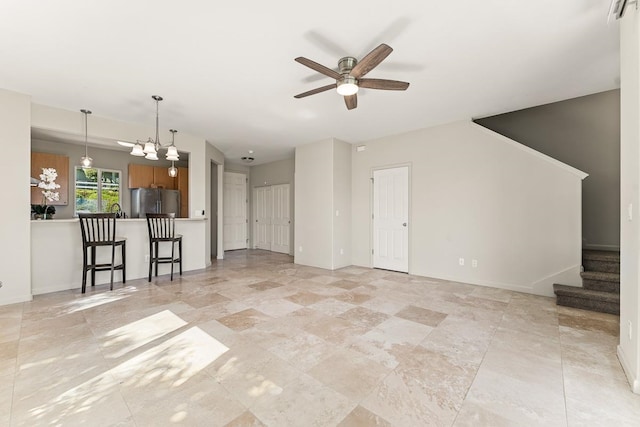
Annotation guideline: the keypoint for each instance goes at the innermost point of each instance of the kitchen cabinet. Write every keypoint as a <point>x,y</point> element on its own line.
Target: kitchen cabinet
<point>183,186</point>
<point>140,176</point>
<point>144,176</point>
<point>61,165</point>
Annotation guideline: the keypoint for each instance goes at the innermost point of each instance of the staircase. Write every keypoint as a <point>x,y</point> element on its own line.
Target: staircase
<point>600,289</point>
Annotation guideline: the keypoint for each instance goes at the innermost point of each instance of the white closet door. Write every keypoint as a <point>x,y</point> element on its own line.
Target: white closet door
<point>235,211</point>
<point>262,200</point>
<point>390,219</point>
<point>281,218</point>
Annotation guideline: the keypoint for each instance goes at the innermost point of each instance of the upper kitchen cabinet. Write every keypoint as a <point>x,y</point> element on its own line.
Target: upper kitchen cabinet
<point>143,176</point>
<point>140,176</point>
<point>61,165</point>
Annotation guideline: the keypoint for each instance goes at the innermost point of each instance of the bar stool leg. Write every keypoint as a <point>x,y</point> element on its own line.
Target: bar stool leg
<point>150,258</point>
<point>124,262</point>
<point>113,263</point>
<point>93,266</point>
<point>157,258</point>
<point>180,254</point>
<point>173,246</point>
<point>84,270</point>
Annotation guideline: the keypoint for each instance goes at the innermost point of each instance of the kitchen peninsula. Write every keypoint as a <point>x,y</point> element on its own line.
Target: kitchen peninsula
<point>56,252</point>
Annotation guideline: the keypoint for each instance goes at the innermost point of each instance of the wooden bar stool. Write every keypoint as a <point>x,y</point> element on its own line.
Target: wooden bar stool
<point>99,229</point>
<point>162,228</point>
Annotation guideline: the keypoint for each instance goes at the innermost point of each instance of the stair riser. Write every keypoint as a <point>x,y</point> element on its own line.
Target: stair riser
<point>603,266</point>
<point>585,304</point>
<point>599,285</point>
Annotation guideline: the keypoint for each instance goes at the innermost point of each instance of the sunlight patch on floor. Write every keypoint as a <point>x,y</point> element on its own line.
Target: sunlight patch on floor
<point>136,334</point>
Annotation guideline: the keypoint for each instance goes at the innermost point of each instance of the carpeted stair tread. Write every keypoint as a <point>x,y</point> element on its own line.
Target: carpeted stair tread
<point>612,256</point>
<point>601,275</point>
<point>585,293</point>
<point>586,299</point>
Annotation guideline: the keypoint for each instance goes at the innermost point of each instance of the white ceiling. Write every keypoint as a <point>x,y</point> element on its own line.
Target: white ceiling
<point>227,73</point>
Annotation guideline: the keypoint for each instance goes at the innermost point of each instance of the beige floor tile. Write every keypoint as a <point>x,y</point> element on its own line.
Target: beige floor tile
<point>361,417</point>
<point>422,315</point>
<point>349,373</point>
<point>246,419</point>
<point>304,402</point>
<point>255,340</point>
<point>243,319</point>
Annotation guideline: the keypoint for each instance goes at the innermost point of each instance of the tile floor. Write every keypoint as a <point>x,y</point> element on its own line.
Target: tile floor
<point>258,341</point>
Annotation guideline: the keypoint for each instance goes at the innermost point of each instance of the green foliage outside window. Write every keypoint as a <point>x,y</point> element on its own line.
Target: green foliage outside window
<point>96,189</point>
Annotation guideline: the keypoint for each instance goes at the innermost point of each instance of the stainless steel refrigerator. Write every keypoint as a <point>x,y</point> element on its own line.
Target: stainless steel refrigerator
<point>154,200</point>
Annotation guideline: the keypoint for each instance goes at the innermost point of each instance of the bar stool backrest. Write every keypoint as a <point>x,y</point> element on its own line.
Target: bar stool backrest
<point>161,226</point>
<point>98,228</point>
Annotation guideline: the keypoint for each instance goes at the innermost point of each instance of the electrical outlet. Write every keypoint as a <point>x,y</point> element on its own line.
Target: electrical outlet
<point>300,249</point>
<point>630,330</point>
<point>146,258</point>
<point>461,261</point>
<point>341,251</point>
<point>474,263</point>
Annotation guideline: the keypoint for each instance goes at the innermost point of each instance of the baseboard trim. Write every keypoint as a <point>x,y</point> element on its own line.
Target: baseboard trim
<point>633,382</point>
<point>16,300</point>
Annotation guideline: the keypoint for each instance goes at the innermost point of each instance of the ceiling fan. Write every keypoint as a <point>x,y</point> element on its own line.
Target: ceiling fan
<point>349,76</point>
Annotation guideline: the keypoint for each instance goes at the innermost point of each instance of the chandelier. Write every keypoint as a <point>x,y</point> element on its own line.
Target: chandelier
<point>149,149</point>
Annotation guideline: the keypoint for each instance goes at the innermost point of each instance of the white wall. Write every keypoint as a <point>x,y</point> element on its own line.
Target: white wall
<point>477,195</point>
<point>322,199</point>
<point>629,348</point>
<point>314,204</point>
<point>341,204</point>
<point>15,229</point>
<point>274,173</point>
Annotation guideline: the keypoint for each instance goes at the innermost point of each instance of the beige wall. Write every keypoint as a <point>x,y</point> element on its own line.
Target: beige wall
<point>15,227</point>
<point>341,204</point>
<point>274,173</point>
<point>584,133</point>
<point>629,348</point>
<point>477,195</point>
<point>314,204</point>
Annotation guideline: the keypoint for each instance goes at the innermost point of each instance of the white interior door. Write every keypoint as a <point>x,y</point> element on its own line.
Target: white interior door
<point>281,221</point>
<point>263,206</point>
<point>391,219</point>
<point>235,211</point>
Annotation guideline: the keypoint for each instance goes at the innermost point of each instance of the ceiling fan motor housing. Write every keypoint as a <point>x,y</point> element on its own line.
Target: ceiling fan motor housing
<point>346,64</point>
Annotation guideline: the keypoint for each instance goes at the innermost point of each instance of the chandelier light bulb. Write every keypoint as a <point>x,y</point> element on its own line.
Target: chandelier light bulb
<point>151,156</point>
<point>137,151</point>
<point>149,147</point>
<point>173,171</point>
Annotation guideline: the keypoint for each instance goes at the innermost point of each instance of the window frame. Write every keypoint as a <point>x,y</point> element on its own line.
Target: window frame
<point>99,187</point>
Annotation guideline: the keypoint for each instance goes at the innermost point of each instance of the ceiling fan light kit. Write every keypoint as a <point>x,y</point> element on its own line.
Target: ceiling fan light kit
<point>349,76</point>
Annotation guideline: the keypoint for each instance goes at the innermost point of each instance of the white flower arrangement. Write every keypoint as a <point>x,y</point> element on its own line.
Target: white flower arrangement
<point>48,185</point>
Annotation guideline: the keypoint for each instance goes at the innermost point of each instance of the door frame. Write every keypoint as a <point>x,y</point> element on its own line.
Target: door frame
<point>409,209</point>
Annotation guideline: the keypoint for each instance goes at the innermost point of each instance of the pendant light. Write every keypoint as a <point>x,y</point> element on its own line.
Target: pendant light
<point>150,148</point>
<point>173,171</point>
<point>86,161</point>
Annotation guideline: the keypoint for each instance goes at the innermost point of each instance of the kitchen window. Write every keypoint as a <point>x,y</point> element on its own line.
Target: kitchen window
<point>96,189</point>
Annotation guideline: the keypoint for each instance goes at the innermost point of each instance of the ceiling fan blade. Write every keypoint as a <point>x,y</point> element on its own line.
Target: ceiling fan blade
<point>383,84</point>
<point>316,90</point>
<point>317,67</point>
<point>351,101</point>
<point>370,61</point>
